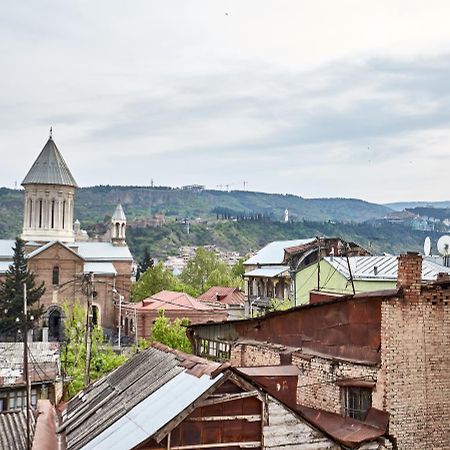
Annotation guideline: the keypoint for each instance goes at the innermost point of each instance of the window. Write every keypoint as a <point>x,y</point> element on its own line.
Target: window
<point>356,401</point>
<point>40,213</point>
<point>53,214</point>
<point>17,399</point>
<point>30,208</point>
<point>214,349</point>
<point>55,276</point>
<point>64,215</point>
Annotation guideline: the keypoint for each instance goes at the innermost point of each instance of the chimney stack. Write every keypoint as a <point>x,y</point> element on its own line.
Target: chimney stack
<point>409,276</point>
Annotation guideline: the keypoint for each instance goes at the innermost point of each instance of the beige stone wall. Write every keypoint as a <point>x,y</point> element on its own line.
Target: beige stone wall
<point>249,355</point>
<point>317,382</point>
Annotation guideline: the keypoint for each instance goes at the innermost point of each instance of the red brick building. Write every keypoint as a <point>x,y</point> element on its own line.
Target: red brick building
<point>60,253</point>
<point>176,305</point>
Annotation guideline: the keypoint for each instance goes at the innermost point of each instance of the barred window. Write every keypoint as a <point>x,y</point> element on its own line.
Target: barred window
<point>356,401</point>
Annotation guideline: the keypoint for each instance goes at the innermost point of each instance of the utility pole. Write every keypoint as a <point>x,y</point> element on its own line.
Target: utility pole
<point>135,326</point>
<point>25,364</point>
<point>89,291</point>
<point>318,265</point>
<point>119,333</point>
<point>350,270</point>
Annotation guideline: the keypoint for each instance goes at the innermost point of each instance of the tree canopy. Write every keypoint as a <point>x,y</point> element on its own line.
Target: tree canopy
<point>73,352</point>
<point>205,270</point>
<point>171,333</point>
<point>12,291</point>
<point>155,279</point>
<point>146,263</point>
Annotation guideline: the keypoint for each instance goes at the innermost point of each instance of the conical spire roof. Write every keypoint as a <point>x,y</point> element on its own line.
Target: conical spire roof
<point>50,168</point>
<point>119,213</point>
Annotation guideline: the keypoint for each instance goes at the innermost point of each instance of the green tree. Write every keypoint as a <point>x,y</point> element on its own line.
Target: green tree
<point>155,279</point>
<point>146,263</point>
<point>73,351</point>
<point>11,292</point>
<point>205,270</point>
<point>171,333</point>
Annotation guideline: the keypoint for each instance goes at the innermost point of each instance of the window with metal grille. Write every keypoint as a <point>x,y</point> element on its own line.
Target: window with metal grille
<point>356,401</point>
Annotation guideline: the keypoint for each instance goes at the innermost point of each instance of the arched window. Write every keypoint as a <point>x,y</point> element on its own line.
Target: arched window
<point>40,214</point>
<point>30,209</point>
<point>55,277</point>
<point>117,230</point>
<point>52,223</point>
<point>95,315</point>
<point>64,214</point>
<point>123,230</point>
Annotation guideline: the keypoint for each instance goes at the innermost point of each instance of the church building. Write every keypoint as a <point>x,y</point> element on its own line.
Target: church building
<point>61,254</point>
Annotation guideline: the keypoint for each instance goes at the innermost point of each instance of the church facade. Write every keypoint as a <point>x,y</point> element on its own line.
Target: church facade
<point>61,254</point>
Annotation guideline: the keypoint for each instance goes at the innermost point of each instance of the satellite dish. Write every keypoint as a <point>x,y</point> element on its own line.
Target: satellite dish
<point>427,246</point>
<point>443,245</point>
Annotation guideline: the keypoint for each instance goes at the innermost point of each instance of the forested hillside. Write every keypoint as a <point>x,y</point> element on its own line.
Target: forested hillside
<point>260,218</point>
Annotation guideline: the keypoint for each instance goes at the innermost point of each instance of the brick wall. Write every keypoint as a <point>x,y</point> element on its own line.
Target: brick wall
<point>250,355</point>
<point>317,382</point>
<point>416,360</point>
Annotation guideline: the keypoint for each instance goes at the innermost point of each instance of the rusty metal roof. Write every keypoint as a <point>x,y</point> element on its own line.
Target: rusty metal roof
<point>270,371</point>
<point>345,430</point>
<point>225,295</point>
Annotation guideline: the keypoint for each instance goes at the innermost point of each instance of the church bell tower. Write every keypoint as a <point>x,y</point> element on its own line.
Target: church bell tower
<point>118,226</point>
<point>49,195</point>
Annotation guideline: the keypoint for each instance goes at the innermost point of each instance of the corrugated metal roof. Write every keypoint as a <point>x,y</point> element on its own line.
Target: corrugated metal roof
<point>93,411</point>
<point>273,253</point>
<point>102,251</point>
<point>147,417</point>
<point>363,268</point>
<point>13,430</point>
<point>100,268</point>
<point>119,213</point>
<point>50,168</point>
<point>44,362</point>
<point>268,271</point>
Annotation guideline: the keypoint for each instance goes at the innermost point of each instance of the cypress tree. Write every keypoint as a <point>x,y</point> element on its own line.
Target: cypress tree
<point>11,293</point>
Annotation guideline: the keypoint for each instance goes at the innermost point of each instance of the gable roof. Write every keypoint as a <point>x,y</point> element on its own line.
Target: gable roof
<point>225,295</point>
<point>363,268</point>
<point>170,300</point>
<point>273,253</point>
<point>49,168</point>
<point>134,401</point>
<point>51,244</point>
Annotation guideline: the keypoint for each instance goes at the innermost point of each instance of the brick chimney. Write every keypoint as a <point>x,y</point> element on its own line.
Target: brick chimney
<point>410,275</point>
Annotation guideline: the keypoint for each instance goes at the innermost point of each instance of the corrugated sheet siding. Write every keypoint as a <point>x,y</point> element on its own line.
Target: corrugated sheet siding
<point>13,430</point>
<point>287,432</point>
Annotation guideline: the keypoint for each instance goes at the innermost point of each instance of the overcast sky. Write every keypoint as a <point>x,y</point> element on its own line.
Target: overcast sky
<point>316,98</point>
